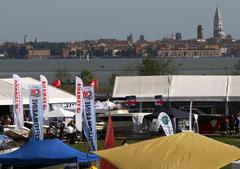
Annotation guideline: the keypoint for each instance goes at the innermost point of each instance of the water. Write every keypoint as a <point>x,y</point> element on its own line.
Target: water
<point>103,68</point>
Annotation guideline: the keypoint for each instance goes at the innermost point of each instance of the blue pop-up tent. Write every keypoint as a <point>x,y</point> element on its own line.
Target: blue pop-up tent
<point>45,153</point>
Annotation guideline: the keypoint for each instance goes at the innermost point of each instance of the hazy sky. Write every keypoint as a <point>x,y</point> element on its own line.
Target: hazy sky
<point>66,20</point>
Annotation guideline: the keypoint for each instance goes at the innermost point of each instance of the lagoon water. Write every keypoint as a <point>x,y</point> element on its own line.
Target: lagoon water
<point>104,67</point>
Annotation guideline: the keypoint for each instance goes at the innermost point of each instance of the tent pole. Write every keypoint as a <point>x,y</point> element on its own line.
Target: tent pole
<point>190,116</point>
<point>226,108</point>
<point>140,106</point>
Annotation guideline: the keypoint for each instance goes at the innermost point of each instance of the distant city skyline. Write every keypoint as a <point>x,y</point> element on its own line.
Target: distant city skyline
<point>77,20</point>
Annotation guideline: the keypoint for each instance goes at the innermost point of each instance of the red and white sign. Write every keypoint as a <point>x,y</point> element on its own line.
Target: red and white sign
<point>44,84</point>
<point>79,103</point>
<point>17,102</point>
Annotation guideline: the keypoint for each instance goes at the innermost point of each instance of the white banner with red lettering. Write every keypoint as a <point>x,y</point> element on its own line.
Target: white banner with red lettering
<point>36,111</point>
<point>45,101</point>
<point>79,103</point>
<point>90,117</point>
<point>17,102</point>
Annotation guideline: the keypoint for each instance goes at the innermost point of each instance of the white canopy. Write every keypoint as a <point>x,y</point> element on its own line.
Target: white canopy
<point>59,112</point>
<point>55,95</point>
<point>144,87</point>
<point>198,88</point>
<point>179,87</point>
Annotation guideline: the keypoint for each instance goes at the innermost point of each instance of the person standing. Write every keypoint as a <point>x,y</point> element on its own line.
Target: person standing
<point>237,123</point>
<point>70,133</point>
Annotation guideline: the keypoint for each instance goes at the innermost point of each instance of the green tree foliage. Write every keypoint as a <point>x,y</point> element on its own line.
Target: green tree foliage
<point>236,68</point>
<point>153,66</point>
<point>63,75</point>
<point>111,80</point>
<point>86,76</point>
<point>129,70</point>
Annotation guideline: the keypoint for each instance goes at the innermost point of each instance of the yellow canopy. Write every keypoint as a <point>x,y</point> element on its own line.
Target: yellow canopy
<point>186,150</point>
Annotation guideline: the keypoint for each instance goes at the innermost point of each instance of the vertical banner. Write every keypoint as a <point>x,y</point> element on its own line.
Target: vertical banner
<point>45,102</point>
<point>166,123</point>
<point>17,102</point>
<point>79,103</point>
<point>90,117</point>
<point>36,110</point>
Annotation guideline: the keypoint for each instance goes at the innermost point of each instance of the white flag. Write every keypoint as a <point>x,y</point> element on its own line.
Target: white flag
<point>79,103</point>
<point>166,123</point>
<point>36,111</point>
<point>90,117</point>
<point>45,103</point>
<point>17,102</point>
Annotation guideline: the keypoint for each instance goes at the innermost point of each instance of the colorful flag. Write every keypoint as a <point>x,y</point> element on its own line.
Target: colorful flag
<point>93,83</point>
<point>109,143</point>
<point>90,117</point>
<point>158,100</point>
<point>17,102</point>
<point>36,110</point>
<point>79,103</point>
<point>166,123</point>
<point>57,83</point>
<point>45,103</point>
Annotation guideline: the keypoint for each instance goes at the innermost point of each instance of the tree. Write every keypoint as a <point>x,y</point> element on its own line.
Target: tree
<point>153,66</point>
<point>149,66</point>
<point>111,80</point>
<point>63,75</point>
<point>129,70</point>
<point>236,68</point>
<point>166,66</point>
<point>86,76</point>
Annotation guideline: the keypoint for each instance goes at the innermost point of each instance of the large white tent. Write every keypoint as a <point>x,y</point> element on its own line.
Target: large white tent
<point>144,87</point>
<point>59,112</point>
<point>55,95</point>
<point>179,87</point>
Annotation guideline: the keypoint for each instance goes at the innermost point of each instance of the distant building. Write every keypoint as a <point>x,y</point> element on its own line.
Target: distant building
<point>190,53</point>
<point>25,39</point>
<point>178,36</point>
<point>218,25</point>
<point>200,32</point>
<point>65,53</point>
<point>130,38</point>
<point>38,53</point>
<point>141,38</point>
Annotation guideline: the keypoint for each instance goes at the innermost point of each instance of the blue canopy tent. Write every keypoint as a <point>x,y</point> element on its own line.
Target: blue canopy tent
<point>45,153</point>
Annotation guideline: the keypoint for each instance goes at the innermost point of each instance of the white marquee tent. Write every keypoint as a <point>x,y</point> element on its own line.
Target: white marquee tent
<point>55,95</point>
<point>144,87</point>
<point>179,87</point>
<point>59,112</point>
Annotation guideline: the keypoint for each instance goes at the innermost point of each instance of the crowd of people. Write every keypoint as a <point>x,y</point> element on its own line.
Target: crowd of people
<point>64,132</point>
<point>230,124</point>
<point>6,120</point>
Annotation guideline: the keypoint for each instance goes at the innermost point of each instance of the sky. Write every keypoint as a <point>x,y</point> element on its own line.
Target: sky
<point>77,20</point>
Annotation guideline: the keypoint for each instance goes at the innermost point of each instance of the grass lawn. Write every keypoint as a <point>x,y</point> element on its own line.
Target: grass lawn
<point>83,146</point>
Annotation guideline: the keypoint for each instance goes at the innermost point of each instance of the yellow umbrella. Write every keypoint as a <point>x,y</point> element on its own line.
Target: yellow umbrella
<point>186,150</point>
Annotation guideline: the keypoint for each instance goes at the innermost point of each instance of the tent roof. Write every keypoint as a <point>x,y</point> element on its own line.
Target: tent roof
<point>179,87</point>
<point>45,153</point>
<point>180,151</point>
<point>144,87</point>
<point>234,88</point>
<point>59,112</point>
<point>199,88</point>
<point>55,95</point>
